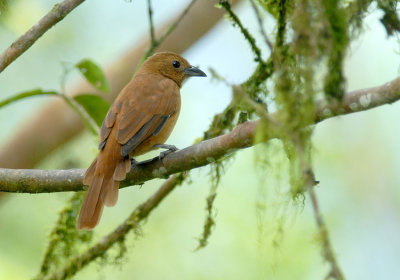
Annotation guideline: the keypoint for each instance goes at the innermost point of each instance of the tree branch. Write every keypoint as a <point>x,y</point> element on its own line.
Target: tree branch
<point>335,271</point>
<point>256,50</point>
<point>24,42</point>
<point>200,154</point>
<point>132,222</point>
<point>260,24</point>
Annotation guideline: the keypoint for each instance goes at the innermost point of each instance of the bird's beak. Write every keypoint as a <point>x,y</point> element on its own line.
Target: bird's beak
<point>194,71</point>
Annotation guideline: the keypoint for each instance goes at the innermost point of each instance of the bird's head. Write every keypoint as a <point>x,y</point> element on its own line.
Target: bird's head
<point>172,66</point>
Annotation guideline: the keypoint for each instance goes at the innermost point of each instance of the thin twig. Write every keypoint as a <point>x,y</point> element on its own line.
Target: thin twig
<point>328,253</point>
<point>71,102</point>
<point>150,11</point>
<point>57,13</point>
<point>131,223</point>
<point>200,154</point>
<point>158,42</point>
<point>86,118</point>
<point>281,25</point>
<point>260,24</point>
<point>227,6</point>
<point>309,184</point>
<point>176,23</point>
<point>25,95</point>
<point>82,113</point>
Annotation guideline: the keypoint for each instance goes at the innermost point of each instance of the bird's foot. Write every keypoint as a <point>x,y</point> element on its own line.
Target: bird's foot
<point>134,162</point>
<point>170,149</point>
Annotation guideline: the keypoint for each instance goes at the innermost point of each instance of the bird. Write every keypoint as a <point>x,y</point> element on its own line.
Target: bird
<point>140,120</point>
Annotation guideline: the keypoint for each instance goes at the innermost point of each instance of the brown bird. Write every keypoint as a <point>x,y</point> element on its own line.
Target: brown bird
<point>140,119</point>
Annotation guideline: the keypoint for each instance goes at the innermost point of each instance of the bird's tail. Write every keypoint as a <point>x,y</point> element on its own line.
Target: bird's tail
<point>103,178</point>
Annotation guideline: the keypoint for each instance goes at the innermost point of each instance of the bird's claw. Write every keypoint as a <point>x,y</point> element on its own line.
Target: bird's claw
<point>163,154</point>
<point>134,162</point>
<point>170,149</point>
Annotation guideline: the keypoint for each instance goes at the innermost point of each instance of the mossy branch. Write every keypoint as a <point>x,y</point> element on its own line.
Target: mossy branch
<point>24,42</point>
<point>76,263</point>
<point>260,24</point>
<point>356,11</point>
<point>227,6</point>
<point>200,154</point>
<point>337,25</point>
<point>60,247</point>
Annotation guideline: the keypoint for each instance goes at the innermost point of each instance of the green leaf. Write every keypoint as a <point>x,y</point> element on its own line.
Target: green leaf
<point>93,74</point>
<point>26,94</point>
<point>96,106</point>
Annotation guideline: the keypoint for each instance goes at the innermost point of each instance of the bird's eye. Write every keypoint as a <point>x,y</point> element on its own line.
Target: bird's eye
<point>176,64</point>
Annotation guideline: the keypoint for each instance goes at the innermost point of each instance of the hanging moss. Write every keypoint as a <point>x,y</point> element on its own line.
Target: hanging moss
<point>275,7</point>
<point>295,91</point>
<point>65,239</point>
<point>390,18</point>
<point>209,223</point>
<point>338,31</point>
<point>356,11</point>
<point>217,170</point>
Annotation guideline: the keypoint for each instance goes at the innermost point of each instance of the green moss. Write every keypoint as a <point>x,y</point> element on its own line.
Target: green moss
<point>236,21</point>
<point>282,12</point>
<point>217,170</point>
<point>65,239</point>
<point>243,117</point>
<point>337,27</point>
<point>209,223</point>
<point>356,12</point>
<point>275,7</point>
<point>295,91</point>
<point>390,18</point>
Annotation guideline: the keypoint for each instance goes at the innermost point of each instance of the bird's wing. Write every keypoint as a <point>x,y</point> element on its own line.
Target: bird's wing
<point>152,127</point>
<point>108,124</point>
<point>145,113</point>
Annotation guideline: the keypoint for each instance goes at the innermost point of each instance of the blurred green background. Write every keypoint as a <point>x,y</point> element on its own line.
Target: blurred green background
<point>259,234</point>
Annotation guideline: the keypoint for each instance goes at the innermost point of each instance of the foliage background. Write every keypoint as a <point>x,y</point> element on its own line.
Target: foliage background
<point>258,234</point>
